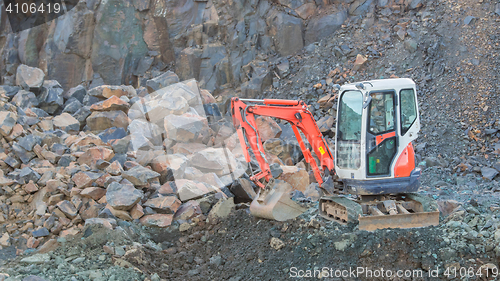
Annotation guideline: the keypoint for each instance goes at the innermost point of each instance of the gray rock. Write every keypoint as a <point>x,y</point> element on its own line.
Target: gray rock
<point>359,7</point>
<point>29,77</point>
<point>7,122</point>
<point>288,34</point>
<point>9,91</point>
<point>89,100</point>
<point>122,196</point>
<point>416,4</point>
<point>142,132</point>
<point>488,173</point>
<point>141,5</point>
<point>188,63</point>
<point>323,27</point>
<point>243,189</point>
<point>29,141</point>
<point>82,114</point>
<point>216,160</point>
<point>67,208</point>
<point>411,45</point>
<point>50,98</point>
<point>72,106</point>
<point>42,232</point>
<point>24,155</point>
<point>25,99</point>
<point>37,259</point>
<point>140,175</point>
<point>66,122</point>
<point>216,260</point>
<point>77,92</point>
<point>164,80</point>
<point>185,128</point>
<point>39,112</point>
<point>79,260</point>
<point>144,64</point>
<point>469,19</point>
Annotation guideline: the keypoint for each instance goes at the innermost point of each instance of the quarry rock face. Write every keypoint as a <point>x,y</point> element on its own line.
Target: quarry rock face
<point>129,42</point>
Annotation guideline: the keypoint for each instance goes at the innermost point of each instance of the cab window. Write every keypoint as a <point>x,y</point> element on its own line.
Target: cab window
<point>351,106</point>
<point>408,109</point>
<point>381,114</point>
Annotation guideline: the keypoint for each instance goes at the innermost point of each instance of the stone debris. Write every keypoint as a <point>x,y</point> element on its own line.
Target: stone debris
<point>276,243</point>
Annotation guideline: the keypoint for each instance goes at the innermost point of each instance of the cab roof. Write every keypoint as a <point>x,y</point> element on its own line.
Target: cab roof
<point>382,84</point>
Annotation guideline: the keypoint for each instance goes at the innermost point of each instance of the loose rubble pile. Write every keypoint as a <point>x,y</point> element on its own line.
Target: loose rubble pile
<point>154,156</point>
<point>82,158</point>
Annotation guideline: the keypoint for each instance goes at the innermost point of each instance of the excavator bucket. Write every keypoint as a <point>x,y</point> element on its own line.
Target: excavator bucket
<point>275,203</point>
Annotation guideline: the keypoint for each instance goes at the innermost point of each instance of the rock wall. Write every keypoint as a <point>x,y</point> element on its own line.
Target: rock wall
<point>223,44</point>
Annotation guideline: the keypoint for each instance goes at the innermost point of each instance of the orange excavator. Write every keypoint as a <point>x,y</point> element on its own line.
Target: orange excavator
<point>371,179</point>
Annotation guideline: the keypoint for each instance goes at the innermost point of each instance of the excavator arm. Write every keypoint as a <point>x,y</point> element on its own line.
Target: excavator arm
<point>299,117</point>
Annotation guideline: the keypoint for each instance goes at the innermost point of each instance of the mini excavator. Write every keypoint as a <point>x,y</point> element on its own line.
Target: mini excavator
<point>371,179</point>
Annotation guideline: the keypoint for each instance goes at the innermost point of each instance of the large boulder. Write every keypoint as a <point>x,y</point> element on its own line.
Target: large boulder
<point>107,91</point>
<point>164,80</point>
<point>325,26</point>
<point>164,204</point>
<point>287,31</point>
<point>122,196</point>
<point>188,63</point>
<point>29,78</point>
<point>51,98</point>
<point>25,99</point>
<point>139,175</point>
<point>186,127</point>
<point>216,160</point>
<point>111,104</point>
<point>7,121</point>
<point>268,128</point>
<point>157,109</point>
<point>297,178</point>
<point>102,120</point>
<point>66,123</point>
<point>170,167</point>
<point>189,189</point>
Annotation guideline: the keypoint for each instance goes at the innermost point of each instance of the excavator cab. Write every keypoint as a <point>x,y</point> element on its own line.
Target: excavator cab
<point>376,124</point>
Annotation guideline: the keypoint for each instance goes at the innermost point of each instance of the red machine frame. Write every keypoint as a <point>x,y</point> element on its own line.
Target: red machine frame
<point>297,114</point>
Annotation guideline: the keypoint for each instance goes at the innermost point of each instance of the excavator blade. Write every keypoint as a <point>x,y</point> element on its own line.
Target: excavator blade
<point>411,220</point>
<point>275,203</point>
<point>404,211</point>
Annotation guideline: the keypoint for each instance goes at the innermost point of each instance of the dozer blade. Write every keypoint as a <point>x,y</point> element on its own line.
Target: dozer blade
<point>408,211</point>
<point>276,203</point>
<point>411,220</point>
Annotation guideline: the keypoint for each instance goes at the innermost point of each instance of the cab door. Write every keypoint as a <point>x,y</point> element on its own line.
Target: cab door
<point>381,135</point>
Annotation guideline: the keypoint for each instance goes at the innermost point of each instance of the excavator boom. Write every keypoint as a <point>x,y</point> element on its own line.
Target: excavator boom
<point>299,117</point>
